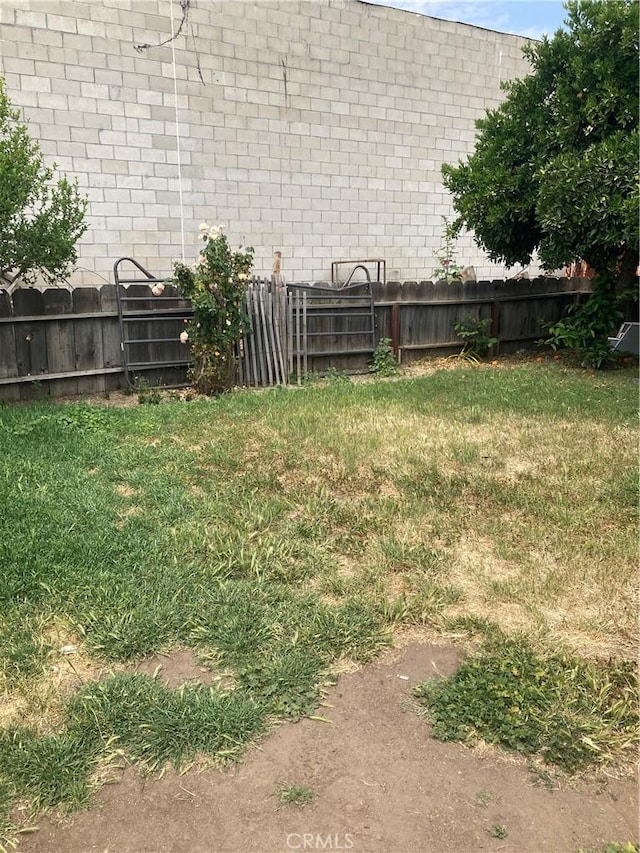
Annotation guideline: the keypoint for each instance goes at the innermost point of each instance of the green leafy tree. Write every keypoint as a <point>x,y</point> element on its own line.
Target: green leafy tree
<point>555,168</point>
<point>41,219</point>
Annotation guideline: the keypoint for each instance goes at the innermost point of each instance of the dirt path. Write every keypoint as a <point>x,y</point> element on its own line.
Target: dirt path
<point>381,785</point>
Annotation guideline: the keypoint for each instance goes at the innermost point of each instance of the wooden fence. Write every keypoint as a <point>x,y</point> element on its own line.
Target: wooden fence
<point>418,317</point>
<point>59,342</point>
<point>64,343</point>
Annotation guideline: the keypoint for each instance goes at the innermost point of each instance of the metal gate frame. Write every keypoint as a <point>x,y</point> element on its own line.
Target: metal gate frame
<point>128,315</point>
<point>305,301</point>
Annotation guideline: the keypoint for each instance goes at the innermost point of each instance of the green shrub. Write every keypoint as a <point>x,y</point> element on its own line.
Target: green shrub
<point>384,362</point>
<point>473,332</point>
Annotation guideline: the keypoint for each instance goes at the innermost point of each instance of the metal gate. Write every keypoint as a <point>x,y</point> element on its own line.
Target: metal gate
<point>150,328</point>
<point>328,326</point>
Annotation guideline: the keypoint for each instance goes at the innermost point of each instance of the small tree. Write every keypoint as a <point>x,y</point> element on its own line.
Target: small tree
<point>555,167</point>
<point>41,220</point>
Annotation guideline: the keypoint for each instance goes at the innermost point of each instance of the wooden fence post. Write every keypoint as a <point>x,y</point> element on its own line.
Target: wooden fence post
<point>495,326</point>
<point>395,328</point>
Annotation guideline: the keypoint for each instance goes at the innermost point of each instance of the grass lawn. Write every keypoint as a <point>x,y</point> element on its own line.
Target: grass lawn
<point>282,534</point>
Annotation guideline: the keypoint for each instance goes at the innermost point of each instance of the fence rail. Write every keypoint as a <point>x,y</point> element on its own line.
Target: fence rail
<point>69,342</point>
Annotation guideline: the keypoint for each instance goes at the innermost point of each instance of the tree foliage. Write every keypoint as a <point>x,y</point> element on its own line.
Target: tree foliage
<point>555,168</point>
<point>41,219</point>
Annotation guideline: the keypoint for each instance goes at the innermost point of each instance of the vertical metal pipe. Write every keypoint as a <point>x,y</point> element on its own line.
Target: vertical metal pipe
<point>289,297</point>
<point>298,330</point>
<point>304,332</point>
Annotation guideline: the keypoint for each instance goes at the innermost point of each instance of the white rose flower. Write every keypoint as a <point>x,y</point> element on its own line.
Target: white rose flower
<point>158,289</point>
<point>203,226</point>
<point>214,231</point>
<point>184,337</point>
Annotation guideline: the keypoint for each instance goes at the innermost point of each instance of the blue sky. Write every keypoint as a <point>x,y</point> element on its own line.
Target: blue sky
<point>531,18</point>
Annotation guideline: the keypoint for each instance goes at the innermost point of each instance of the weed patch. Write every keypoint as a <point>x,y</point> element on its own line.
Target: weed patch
<point>125,715</point>
<point>295,795</point>
<point>156,725</point>
<point>384,362</point>
<point>48,771</point>
<point>572,712</point>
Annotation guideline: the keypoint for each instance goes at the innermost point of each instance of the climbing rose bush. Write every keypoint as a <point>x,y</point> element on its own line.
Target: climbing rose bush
<point>216,286</point>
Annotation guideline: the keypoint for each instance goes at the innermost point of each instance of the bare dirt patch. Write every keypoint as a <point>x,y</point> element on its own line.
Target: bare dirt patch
<point>178,667</point>
<point>381,784</point>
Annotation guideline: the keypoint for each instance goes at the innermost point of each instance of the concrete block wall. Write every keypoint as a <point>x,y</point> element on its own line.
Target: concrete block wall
<point>313,127</point>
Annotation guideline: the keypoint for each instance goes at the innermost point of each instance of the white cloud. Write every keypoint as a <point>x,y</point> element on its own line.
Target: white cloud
<point>533,32</point>
<point>491,15</point>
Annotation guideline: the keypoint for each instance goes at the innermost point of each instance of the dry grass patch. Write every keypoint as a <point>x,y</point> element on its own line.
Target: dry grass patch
<point>125,490</point>
<point>517,506</point>
<point>38,702</point>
